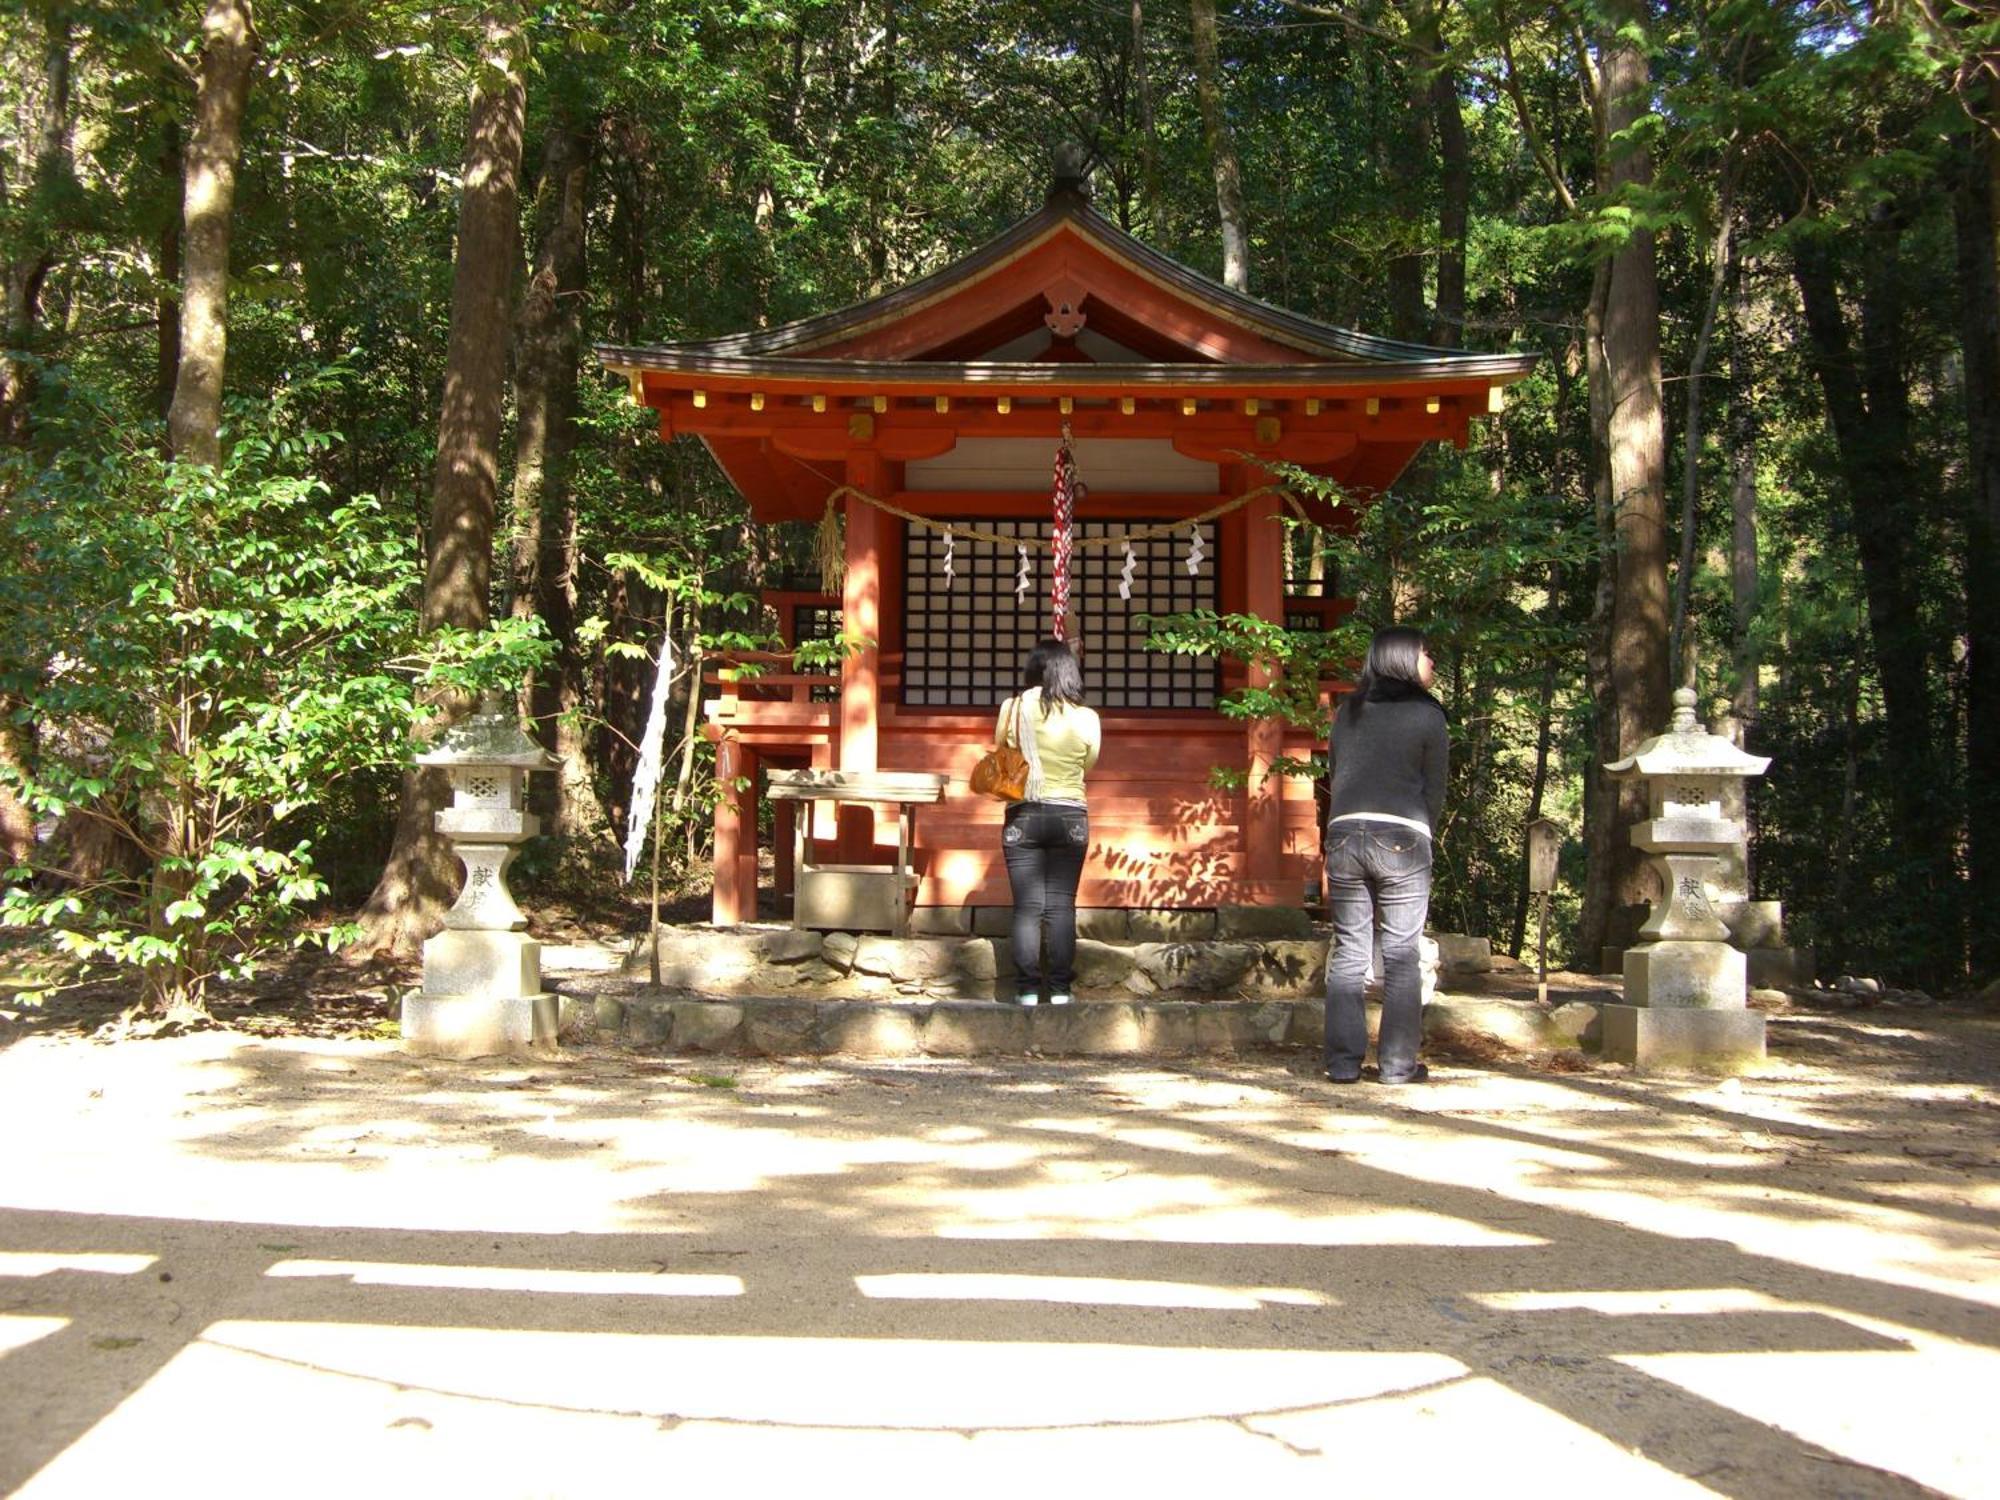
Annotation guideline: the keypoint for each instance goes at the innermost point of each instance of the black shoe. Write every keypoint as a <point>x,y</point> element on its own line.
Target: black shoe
<point>1333,1077</point>
<point>1418,1074</point>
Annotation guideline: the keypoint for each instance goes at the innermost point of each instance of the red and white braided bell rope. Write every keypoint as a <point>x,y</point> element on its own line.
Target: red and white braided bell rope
<point>1068,489</point>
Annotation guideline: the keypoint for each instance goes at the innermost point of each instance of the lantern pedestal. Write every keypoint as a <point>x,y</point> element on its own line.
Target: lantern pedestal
<point>482,993</point>
<point>480,1023</point>
<point>1685,975</point>
<point>1709,1041</point>
<point>482,996</point>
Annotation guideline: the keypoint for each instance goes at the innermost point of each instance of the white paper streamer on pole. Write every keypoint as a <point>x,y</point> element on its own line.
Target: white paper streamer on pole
<point>1021,578</point>
<point>1195,554</point>
<point>1125,573</point>
<point>652,750</point>
<point>949,541</point>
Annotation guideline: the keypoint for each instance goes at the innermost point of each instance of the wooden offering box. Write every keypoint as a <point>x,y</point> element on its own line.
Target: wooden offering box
<point>856,897</point>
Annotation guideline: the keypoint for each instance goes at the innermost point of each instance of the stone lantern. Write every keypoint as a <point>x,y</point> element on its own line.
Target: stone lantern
<point>1685,988</point>
<point>482,992</point>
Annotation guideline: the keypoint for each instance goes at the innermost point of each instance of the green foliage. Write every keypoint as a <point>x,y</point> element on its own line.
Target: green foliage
<point>1294,661</point>
<point>198,657</point>
<point>1477,569</point>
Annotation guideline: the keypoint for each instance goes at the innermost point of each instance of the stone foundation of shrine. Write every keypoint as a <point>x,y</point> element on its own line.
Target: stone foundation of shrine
<point>1175,984</point>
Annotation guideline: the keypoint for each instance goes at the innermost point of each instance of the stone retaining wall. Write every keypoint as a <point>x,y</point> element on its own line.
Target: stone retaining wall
<point>778,1026</point>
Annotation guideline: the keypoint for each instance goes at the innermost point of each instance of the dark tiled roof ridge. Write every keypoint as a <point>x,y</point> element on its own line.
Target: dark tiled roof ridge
<point>695,359</point>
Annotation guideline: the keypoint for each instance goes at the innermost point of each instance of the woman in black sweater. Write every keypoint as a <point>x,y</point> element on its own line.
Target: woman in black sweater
<point>1389,749</point>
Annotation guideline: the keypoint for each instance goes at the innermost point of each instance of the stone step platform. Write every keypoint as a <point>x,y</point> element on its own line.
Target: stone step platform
<point>637,1016</point>
<point>1287,961</point>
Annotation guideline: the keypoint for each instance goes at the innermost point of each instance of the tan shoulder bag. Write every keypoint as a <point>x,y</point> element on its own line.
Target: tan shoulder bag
<point>1003,771</point>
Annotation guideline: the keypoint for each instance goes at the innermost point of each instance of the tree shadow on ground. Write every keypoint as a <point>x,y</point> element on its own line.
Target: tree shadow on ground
<point>808,1182</point>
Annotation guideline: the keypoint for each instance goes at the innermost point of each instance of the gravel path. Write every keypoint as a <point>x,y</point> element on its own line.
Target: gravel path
<point>301,1265</point>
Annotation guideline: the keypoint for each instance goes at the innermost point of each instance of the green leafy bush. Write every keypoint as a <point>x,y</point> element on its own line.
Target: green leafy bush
<point>212,652</point>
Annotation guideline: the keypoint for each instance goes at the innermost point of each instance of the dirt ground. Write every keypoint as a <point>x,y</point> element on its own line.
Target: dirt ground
<point>287,1259</point>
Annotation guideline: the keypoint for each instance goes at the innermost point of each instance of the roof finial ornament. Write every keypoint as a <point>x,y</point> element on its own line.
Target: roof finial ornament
<point>1070,176</point>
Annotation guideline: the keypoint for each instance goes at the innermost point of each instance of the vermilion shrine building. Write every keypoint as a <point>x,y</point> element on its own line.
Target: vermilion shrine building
<point>946,399</point>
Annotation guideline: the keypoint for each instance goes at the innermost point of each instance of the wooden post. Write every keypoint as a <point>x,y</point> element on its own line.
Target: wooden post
<point>735,835</point>
<point>1263,596</point>
<point>784,852</point>
<point>860,671</point>
<point>802,853</point>
<point>906,818</point>
<point>653,920</point>
<point>1542,949</point>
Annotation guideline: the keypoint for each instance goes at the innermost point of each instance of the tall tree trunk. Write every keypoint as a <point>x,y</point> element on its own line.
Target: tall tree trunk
<point>1221,148</point>
<point>1600,793</point>
<point>1149,131</point>
<point>880,190</point>
<point>1743,579</point>
<point>1868,405</point>
<point>1636,444</point>
<point>1723,255</point>
<point>615,684</point>
<point>544,503</point>
<point>627,235</point>
<point>176,987</point>
<point>17,823</point>
<point>1408,153</point>
<point>28,263</point>
<point>1743,583</point>
<point>1454,209</point>
<point>26,270</point>
<point>409,899</point>
<point>229,48</point>
<point>1978,216</point>
<point>167,306</point>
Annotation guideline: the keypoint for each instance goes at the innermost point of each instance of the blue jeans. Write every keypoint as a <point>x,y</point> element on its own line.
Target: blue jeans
<point>1378,876</point>
<point>1044,844</point>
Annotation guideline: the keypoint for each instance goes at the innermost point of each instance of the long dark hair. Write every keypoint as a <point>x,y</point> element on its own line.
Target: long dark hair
<point>1395,656</point>
<point>1052,667</point>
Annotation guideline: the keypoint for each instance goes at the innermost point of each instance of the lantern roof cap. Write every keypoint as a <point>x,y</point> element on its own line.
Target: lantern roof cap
<point>489,737</point>
<point>1687,749</point>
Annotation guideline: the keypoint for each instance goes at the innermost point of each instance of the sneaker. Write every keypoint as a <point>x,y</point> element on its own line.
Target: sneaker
<point>1030,999</point>
<point>1333,1077</point>
<point>1418,1074</point>
<point>1061,999</point>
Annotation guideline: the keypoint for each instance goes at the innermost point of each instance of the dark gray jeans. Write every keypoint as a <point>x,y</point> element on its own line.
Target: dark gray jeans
<point>1378,876</point>
<point>1044,844</point>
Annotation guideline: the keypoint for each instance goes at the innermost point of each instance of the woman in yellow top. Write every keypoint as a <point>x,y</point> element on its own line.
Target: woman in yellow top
<point>1048,831</point>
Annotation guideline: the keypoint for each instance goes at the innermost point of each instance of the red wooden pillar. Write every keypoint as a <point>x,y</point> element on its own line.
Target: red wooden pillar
<point>735,834</point>
<point>1264,597</point>
<point>860,671</point>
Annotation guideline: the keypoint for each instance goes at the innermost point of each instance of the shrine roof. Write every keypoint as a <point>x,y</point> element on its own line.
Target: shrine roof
<point>1221,338</point>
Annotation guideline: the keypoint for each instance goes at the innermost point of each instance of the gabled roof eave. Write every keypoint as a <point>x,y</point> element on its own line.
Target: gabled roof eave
<point>794,341</point>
